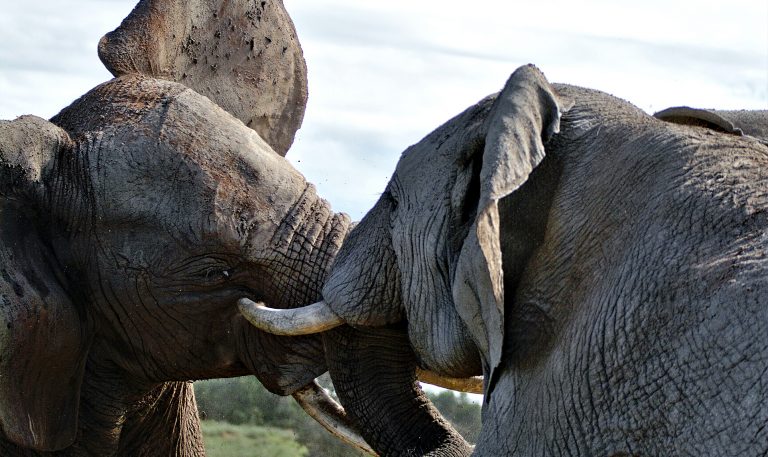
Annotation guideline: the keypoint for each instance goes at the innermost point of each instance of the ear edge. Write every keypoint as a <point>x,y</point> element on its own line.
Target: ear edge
<point>249,47</point>
<point>44,345</point>
<point>752,123</point>
<point>524,117</point>
<point>28,148</point>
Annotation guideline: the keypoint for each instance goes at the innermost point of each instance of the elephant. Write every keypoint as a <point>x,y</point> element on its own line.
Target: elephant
<point>604,270</point>
<point>133,220</point>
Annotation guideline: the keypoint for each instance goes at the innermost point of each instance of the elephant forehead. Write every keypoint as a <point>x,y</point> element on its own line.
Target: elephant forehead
<point>138,180</point>
<point>427,162</point>
<point>433,162</point>
<point>233,155</point>
<point>190,164</point>
<point>119,101</point>
<point>241,171</point>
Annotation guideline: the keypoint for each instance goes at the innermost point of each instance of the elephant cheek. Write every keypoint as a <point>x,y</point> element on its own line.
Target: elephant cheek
<point>443,344</point>
<point>363,287</point>
<point>282,364</point>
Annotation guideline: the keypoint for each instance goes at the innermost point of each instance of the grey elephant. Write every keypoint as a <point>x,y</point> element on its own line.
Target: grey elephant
<point>134,219</point>
<point>603,269</point>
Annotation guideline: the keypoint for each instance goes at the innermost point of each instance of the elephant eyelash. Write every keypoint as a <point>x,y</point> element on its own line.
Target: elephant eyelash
<point>209,271</point>
<point>217,274</point>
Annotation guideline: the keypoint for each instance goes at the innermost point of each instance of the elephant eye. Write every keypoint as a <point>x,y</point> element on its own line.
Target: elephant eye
<point>209,271</point>
<point>216,274</point>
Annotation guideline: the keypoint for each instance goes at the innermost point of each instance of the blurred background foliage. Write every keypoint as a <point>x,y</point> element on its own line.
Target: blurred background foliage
<point>241,418</point>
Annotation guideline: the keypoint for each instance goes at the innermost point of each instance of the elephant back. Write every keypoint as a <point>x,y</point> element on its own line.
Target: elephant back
<point>738,122</point>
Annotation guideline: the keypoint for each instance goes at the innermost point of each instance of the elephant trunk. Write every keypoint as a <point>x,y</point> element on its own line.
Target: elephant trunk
<point>291,274</point>
<point>302,250</point>
<point>374,372</point>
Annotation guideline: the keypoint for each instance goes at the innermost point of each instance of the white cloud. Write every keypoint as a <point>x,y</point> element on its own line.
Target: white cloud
<point>48,52</point>
<point>396,70</point>
<point>384,74</point>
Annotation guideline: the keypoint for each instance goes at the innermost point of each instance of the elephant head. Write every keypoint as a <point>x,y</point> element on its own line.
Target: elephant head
<point>134,220</point>
<point>129,234</point>
<point>438,269</point>
<point>419,279</point>
<point>595,264</point>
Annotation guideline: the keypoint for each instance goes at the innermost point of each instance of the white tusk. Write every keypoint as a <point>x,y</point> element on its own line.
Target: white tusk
<point>324,409</point>
<point>473,385</point>
<point>314,318</point>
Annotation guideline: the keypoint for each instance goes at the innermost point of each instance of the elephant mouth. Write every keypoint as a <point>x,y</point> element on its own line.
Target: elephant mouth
<point>314,319</point>
<point>278,377</point>
<point>319,317</point>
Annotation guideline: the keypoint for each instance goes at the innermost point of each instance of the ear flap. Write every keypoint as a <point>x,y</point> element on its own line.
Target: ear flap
<point>244,55</point>
<point>525,115</point>
<point>738,122</point>
<point>43,342</point>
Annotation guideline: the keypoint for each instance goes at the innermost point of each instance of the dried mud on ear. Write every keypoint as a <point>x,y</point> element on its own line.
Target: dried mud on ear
<point>243,55</point>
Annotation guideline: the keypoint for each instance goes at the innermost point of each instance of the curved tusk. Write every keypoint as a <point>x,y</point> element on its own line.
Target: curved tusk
<point>473,385</point>
<point>314,318</point>
<point>321,407</point>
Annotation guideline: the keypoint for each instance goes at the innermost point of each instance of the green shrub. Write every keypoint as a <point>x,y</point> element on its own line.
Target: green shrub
<point>227,440</point>
<point>245,401</point>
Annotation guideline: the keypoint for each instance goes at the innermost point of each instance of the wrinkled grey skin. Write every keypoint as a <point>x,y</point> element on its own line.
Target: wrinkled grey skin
<point>604,270</point>
<point>131,225</point>
<point>132,222</point>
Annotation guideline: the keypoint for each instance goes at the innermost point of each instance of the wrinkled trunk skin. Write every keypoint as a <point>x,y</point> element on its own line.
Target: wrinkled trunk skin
<point>183,427</point>
<point>305,245</point>
<point>374,372</point>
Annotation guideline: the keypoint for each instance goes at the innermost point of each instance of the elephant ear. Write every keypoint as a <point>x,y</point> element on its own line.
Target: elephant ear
<point>738,122</point>
<point>43,342</point>
<point>525,115</point>
<point>242,54</point>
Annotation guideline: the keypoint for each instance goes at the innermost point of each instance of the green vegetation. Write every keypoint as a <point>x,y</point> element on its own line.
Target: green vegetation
<point>226,440</point>
<point>244,401</point>
<point>241,418</point>
<point>460,411</point>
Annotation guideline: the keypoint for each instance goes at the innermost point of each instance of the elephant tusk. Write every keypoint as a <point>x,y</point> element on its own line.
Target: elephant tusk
<point>321,407</point>
<point>314,318</point>
<point>473,385</point>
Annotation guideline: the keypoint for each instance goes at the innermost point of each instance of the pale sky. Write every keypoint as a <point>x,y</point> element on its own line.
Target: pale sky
<point>382,75</point>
